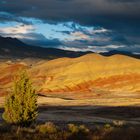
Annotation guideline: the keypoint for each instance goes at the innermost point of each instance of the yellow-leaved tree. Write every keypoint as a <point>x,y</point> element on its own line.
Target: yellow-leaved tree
<point>21,104</point>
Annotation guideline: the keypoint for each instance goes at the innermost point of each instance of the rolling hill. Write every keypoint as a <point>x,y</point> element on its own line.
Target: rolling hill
<point>89,73</point>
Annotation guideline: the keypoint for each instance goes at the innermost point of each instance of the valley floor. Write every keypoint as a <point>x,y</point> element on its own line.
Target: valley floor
<point>72,108</point>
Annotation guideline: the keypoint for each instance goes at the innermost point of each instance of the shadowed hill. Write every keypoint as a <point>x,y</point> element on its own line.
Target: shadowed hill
<point>14,48</point>
<point>113,52</point>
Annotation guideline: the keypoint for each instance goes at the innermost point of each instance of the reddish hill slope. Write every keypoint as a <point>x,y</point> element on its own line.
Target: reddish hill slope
<point>90,73</point>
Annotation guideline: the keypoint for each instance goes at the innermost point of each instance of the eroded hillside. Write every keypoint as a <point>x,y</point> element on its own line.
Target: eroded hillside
<point>89,73</point>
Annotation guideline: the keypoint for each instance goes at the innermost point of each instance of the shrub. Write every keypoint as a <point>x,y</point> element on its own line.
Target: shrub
<point>77,129</point>
<point>21,104</point>
<point>119,123</point>
<point>107,128</point>
<point>78,132</point>
<point>47,128</point>
<point>73,128</point>
<point>83,129</point>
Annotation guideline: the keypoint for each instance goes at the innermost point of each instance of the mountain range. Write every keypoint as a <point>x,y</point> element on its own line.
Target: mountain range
<point>14,48</point>
<point>71,72</point>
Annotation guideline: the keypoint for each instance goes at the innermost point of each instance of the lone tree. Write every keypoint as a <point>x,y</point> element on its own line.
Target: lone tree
<point>21,104</point>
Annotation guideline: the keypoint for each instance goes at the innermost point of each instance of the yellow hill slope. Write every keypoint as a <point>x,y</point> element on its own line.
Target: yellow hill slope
<point>88,72</point>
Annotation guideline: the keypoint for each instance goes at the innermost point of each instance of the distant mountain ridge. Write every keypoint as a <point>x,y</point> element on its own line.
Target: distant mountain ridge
<point>113,52</point>
<point>14,48</point>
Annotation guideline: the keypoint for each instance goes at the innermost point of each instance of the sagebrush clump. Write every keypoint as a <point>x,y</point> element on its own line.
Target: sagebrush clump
<point>21,105</point>
<point>48,127</point>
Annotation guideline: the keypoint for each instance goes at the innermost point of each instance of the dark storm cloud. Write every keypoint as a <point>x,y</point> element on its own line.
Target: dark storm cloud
<point>84,11</point>
<point>37,39</point>
<point>120,16</point>
<point>42,42</point>
<point>124,1</point>
<point>5,17</point>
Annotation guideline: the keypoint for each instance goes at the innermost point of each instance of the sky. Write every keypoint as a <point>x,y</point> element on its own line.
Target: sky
<point>77,25</point>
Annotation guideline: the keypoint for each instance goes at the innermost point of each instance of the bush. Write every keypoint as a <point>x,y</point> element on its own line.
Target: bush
<point>49,128</point>
<point>78,132</point>
<point>21,104</point>
<point>84,129</point>
<point>119,123</point>
<point>73,128</point>
<point>10,132</point>
<point>77,129</point>
<point>107,128</point>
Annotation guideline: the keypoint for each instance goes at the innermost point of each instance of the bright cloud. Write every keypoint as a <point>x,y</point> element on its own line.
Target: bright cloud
<point>67,36</point>
<point>78,36</point>
<point>98,49</point>
<point>17,31</point>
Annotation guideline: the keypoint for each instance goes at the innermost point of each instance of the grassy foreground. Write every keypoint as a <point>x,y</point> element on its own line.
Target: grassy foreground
<point>50,131</point>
